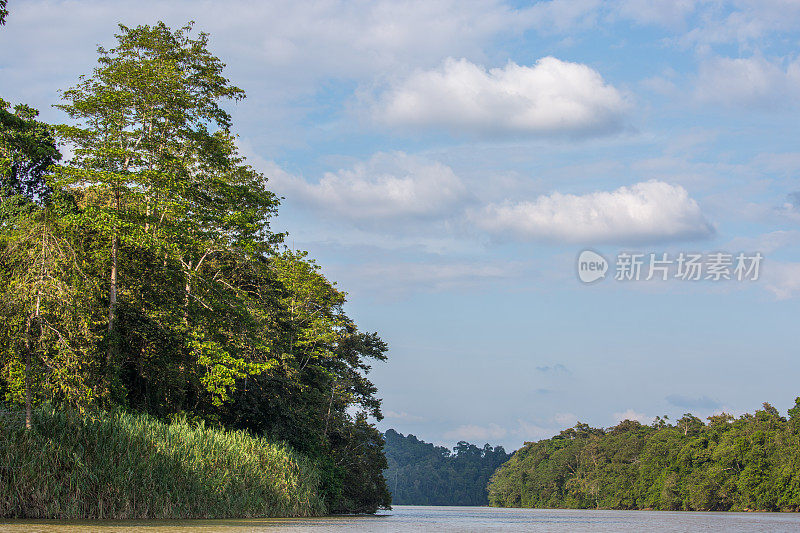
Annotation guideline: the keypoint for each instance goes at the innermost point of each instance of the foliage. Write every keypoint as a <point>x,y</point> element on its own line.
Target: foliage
<point>27,151</point>
<point>749,463</point>
<point>143,273</point>
<point>420,473</point>
<point>132,466</point>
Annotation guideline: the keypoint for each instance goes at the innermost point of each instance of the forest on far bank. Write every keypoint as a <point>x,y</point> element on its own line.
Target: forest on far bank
<point>420,473</point>
<point>727,464</point>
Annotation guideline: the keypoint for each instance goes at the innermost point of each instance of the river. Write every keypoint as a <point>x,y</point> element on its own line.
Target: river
<point>446,519</point>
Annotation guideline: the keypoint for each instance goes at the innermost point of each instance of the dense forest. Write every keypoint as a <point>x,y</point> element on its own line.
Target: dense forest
<point>749,463</point>
<point>138,271</point>
<point>420,473</point>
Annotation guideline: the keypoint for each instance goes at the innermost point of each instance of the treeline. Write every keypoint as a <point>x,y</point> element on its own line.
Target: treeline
<point>749,463</point>
<point>142,273</point>
<point>420,473</point>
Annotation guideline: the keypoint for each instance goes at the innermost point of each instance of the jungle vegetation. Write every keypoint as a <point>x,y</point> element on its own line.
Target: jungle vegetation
<point>140,274</point>
<point>724,464</point>
<point>420,473</point>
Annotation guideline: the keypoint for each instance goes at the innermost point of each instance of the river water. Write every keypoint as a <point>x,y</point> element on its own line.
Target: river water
<point>447,519</point>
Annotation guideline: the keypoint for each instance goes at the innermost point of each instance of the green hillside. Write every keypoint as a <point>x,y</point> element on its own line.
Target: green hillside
<point>749,463</point>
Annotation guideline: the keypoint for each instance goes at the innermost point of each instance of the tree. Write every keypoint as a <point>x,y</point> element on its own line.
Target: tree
<point>143,143</point>
<point>747,463</point>
<point>27,151</point>
<point>144,274</point>
<point>420,473</point>
<point>689,424</point>
<point>34,254</point>
<point>46,305</point>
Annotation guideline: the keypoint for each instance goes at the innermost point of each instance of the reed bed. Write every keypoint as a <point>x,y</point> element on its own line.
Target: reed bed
<point>131,466</point>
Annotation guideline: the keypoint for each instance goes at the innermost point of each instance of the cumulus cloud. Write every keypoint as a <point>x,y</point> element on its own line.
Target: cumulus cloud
<point>753,81</point>
<point>552,96</point>
<point>387,186</point>
<point>278,49</point>
<point>630,414</point>
<point>648,211</point>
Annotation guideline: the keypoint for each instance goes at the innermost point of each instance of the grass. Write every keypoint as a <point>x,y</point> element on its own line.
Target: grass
<point>131,466</point>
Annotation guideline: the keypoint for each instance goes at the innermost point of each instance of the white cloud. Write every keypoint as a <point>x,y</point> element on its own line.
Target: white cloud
<point>530,431</point>
<point>630,414</point>
<point>553,96</point>
<point>279,49</point>
<point>753,81</point>
<point>783,279</point>
<point>474,434</point>
<point>394,415</point>
<point>767,242</point>
<point>648,211</point>
<point>387,186</point>
<point>660,12</point>
<point>391,280</point>
<point>565,419</point>
<point>561,15</point>
<point>743,21</point>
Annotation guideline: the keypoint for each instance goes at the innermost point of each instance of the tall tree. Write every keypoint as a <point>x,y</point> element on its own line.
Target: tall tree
<point>46,306</point>
<point>34,251</point>
<point>142,136</point>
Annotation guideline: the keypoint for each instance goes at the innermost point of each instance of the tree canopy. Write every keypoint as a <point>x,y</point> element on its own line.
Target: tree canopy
<point>749,463</point>
<point>420,473</point>
<point>143,273</point>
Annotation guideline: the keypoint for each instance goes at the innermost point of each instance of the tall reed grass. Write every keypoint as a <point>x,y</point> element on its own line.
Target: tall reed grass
<point>127,466</point>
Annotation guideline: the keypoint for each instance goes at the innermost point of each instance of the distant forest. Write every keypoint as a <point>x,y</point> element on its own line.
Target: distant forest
<point>420,473</point>
<point>749,463</point>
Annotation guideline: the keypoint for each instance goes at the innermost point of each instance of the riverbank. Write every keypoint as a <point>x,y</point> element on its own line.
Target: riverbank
<point>130,466</point>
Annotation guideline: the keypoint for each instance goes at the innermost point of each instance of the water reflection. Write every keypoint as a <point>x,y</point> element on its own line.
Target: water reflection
<point>447,519</point>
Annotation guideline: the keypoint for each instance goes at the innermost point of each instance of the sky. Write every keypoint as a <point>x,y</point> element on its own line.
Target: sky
<point>446,162</point>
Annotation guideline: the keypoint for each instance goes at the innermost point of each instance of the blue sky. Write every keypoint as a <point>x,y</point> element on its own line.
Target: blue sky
<point>446,162</point>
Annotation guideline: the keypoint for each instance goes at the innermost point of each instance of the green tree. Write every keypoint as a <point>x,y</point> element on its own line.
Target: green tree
<point>144,274</point>
<point>142,137</point>
<point>420,473</point>
<point>46,308</point>
<point>728,464</point>
<point>27,151</point>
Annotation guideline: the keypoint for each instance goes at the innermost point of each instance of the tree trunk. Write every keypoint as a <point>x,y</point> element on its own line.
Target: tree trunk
<point>28,350</point>
<point>112,302</point>
<point>187,292</point>
<point>28,371</point>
